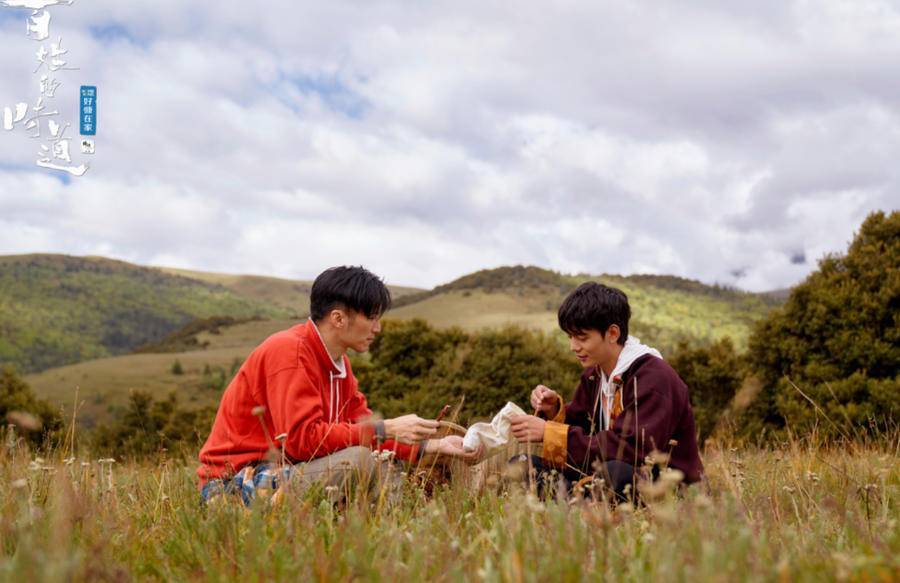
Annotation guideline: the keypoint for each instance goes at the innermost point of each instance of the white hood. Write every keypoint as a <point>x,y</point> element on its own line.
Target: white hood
<point>632,351</point>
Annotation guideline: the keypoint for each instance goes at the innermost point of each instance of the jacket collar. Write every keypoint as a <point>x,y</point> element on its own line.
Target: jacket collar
<point>318,345</point>
<point>638,363</point>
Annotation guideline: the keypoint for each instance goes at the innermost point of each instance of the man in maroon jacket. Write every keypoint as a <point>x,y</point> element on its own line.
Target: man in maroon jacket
<point>629,402</point>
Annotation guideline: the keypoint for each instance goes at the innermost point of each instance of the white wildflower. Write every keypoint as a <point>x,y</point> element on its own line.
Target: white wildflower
<point>533,504</point>
<point>671,476</point>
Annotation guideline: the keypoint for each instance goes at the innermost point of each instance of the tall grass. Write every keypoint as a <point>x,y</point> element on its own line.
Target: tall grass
<point>796,512</point>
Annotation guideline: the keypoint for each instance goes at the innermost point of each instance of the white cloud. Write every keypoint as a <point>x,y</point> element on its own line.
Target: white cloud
<point>730,143</point>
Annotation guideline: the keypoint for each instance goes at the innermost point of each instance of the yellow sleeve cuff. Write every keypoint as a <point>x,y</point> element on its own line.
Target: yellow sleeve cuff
<point>556,437</point>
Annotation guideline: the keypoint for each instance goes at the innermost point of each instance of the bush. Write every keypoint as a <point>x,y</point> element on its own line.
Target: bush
<point>149,426</point>
<point>214,378</point>
<point>837,339</point>
<point>17,397</point>
<point>713,375</point>
<point>416,368</point>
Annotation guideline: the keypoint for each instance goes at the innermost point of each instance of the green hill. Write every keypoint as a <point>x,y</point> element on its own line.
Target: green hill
<point>56,309</point>
<point>290,294</point>
<point>665,309</point>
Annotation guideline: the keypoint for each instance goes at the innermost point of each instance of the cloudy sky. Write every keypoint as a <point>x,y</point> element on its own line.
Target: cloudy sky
<point>732,144</point>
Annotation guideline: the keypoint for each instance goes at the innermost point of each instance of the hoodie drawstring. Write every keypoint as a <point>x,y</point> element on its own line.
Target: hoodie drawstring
<point>331,399</point>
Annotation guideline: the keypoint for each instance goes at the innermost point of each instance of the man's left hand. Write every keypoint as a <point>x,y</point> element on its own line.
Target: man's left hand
<point>527,428</point>
<point>452,446</point>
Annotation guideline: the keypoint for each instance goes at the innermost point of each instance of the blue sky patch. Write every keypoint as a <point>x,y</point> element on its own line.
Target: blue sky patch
<point>8,14</point>
<point>113,32</point>
<point>335,94</point>
<point>61,175</point>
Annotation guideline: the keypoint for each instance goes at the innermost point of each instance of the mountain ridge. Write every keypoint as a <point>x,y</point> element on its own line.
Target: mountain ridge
<point>61,309</point>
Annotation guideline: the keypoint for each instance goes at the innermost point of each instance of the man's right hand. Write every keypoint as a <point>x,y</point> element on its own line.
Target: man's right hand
<point>545,400</point>
<point>409,428</point>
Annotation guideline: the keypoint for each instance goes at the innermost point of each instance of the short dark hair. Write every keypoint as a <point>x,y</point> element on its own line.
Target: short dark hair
<point>594,306</point>
<point>353,288</point>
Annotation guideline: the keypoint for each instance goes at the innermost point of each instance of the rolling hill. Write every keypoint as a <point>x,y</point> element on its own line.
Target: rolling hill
<point>665,310</point>
<point>56,309</point>
<point>102,386</point>
<point>288,294</point>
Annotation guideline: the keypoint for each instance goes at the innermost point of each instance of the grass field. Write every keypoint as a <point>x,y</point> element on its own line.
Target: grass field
<point>793,513</point>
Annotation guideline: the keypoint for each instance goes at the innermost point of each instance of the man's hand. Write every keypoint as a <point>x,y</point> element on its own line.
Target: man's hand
<point>452,446</point>
<point>409,428</point>
<point>527,428</point>
<point>545,400</point>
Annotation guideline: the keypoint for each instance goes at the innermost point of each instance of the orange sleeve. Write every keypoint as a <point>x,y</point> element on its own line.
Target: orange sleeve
<point>555,443</point>
<point>358,411</point>
<point>560,416</point>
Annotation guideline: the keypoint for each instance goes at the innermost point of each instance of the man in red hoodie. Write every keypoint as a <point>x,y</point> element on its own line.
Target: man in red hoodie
<point>295,400</point>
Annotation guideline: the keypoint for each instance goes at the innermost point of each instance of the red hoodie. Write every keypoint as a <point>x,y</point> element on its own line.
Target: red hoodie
<point>303,394</point>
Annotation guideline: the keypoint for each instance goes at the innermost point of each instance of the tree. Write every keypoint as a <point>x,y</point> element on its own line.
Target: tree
<point>837,339</point>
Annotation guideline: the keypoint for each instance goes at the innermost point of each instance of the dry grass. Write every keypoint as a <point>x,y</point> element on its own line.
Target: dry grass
<point>798,512</point>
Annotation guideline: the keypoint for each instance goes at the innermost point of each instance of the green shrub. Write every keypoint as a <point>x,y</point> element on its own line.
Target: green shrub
<point>149,426</point>
<point>416,368</point>
<point>17,396</point>
<point>835,343</point>
<point>214,378</point>
<point>713,375</point>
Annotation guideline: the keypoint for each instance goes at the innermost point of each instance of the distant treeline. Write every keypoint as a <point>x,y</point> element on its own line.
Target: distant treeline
<point>522,277</point>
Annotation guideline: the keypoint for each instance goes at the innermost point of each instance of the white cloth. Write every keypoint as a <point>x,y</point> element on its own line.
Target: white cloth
<point>632,350</point>
<point>493,435</point>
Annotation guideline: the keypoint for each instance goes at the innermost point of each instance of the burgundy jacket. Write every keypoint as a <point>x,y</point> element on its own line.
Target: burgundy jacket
<point>652,411</point>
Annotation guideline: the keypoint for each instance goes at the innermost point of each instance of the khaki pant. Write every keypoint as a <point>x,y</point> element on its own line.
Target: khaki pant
<point>352,469</point>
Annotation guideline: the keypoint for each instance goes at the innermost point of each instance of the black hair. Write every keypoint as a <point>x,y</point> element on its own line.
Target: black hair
<point>353,288</point>
<point>594,306</point>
